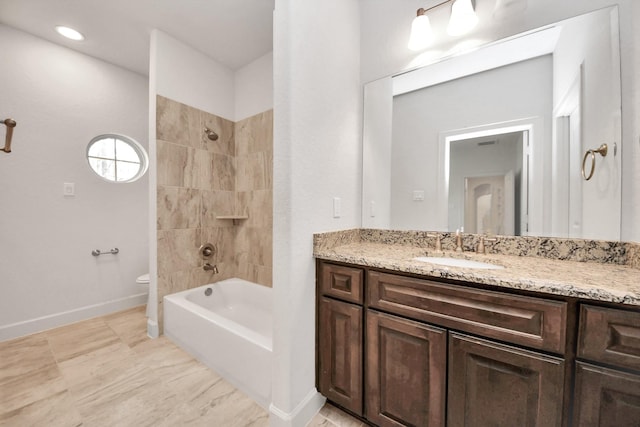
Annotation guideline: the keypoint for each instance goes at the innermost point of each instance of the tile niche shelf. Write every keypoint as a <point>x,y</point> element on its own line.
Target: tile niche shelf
<point>234,218</point>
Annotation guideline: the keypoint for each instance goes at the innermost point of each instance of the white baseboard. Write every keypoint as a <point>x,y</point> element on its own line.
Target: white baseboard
<point>301,414</point>
<point>153,330</point>
<point>40,324</point>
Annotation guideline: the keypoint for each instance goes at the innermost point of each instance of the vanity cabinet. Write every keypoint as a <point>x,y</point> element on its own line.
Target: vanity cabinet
<point>607,391</point>
<point>401,350</point>
<point>340,334</point>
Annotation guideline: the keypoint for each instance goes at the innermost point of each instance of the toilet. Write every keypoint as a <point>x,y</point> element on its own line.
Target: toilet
<point>144,281</point>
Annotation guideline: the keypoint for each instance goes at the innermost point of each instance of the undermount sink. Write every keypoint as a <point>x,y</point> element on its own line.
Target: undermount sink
<point>457,262</point>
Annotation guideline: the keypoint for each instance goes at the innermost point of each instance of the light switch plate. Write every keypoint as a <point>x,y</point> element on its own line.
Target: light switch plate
<point>337,207</point>
<point>418,195</point>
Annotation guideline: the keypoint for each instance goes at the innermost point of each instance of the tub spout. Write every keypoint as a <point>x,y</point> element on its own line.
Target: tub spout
<point>209,267</point>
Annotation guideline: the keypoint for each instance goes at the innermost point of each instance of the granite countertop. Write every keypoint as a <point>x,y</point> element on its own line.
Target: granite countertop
<point>589,280</point>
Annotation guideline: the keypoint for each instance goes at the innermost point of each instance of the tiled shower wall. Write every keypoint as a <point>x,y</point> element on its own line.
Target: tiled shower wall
<point>200,179</point>
<point>254,196</point>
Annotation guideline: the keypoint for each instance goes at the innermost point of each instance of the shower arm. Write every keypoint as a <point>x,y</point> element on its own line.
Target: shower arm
<point>10,124</point>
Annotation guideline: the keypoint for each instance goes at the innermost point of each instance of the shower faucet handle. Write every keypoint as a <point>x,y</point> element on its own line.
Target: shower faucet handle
<point>207,251</point>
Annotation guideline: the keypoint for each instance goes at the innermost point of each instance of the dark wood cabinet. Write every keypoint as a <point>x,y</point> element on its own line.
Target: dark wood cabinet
<point>405,372</point>
<point>491,384</point>
<point>340,338</point>
<point>342,282</point>
<point>610,336</point>
<point>399,350</point>
<point>606,397</point>
<point>531,322</point>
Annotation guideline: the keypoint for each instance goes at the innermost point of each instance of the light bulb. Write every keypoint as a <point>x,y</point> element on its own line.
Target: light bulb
<point>421,34</point>
<point>463,18</point>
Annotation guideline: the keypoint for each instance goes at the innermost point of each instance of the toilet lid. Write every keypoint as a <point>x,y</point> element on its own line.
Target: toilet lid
<point>143,279</point>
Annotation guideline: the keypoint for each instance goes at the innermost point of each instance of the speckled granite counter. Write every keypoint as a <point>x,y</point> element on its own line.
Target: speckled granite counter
<point>605,276</point>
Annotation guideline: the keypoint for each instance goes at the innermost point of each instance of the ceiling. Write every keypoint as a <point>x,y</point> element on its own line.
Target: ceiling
<point>233,32</point>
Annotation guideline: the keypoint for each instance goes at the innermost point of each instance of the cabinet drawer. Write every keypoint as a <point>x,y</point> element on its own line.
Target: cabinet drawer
<point>527,321</point>
<point>610,336</point>
<point>342,282</point>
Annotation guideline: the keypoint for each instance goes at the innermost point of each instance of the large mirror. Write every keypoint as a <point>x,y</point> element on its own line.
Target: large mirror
<point>497,140</point>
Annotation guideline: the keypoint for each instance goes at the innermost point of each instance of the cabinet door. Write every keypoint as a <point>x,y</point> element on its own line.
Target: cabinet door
<point>340,353</point>
<point>606,397</point>
<point>405,372</point>
<point>495,385</point>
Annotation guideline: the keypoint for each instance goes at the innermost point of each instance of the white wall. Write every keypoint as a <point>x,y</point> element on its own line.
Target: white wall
<point>190,77</point>
<point>376,152</point>
<point>385,30</point>
<point>585,48</point>
<point>61,99</point>
<point>317,156</point>
<point>518,91</point>
<point>254,87</point>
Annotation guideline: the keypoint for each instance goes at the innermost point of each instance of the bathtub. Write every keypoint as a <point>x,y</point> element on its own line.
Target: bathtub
<point>229,330</point>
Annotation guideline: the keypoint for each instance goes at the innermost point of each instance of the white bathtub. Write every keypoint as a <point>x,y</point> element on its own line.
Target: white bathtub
<point>230,331</point>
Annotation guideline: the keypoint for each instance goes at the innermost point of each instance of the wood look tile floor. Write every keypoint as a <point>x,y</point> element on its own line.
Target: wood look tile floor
<point>106,372</point>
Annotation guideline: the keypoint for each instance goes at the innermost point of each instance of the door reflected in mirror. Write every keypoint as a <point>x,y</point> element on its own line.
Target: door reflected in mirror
<point>486,189</point>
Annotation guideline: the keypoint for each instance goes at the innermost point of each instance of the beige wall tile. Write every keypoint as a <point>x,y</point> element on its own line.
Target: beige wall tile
<point>254,134</point>
<point>178,250</point>
<point>178,208</point>
<point>173,282</point>
<point>223,238</point>
<point>258,205</point>
<point>230,176</point>
<point>172,121</point>
<point>264,275</point>
<point>202,175</point>
<point>176,165</point>
<point>254,245</point>
<point>218,203</point>
<point>223,172</point>
<point>253,171</point>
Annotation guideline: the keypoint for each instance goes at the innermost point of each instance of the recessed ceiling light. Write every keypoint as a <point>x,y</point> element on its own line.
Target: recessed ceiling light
<point>69,33</point>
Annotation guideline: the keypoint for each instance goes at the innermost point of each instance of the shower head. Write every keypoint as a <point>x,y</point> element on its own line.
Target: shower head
<point>211,134</point>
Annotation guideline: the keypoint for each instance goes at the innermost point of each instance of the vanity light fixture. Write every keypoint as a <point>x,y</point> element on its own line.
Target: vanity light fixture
<point>69,33</point>
<point>463,19</point>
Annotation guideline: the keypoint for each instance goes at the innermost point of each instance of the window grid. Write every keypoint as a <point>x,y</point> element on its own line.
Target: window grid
<point>113,139</point>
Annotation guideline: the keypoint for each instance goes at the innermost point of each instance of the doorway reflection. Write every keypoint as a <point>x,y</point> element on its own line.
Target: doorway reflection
<point>487,187</point>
